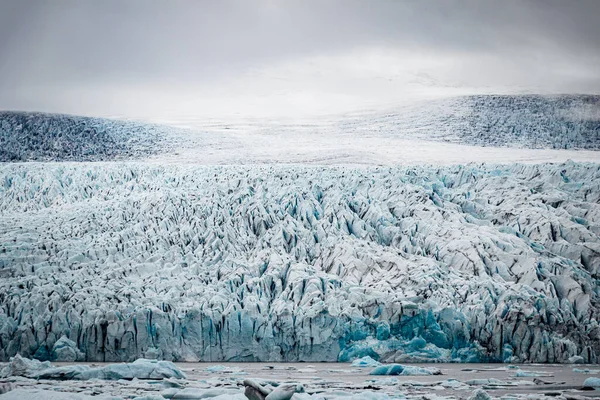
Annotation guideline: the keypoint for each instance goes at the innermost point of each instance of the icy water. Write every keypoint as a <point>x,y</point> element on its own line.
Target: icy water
<point>336,380</point>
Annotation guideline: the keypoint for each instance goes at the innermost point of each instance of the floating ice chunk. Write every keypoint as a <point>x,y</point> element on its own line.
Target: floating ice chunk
<point>254,390</point>
<point>412,370</point>
<point>586,371</point>
<point>366,361</point>
<point>480,394</point>
<point>149,397</point>
<point>224,369</point>
<point>197,393</point>
<point>21,366</point>
<point>592,383</point>
<point>384,381</point>
<point>528,374</point>
<point>216,368</point>
<point>576,360</point>
<point>392,369</point>
<point>140,369</point>
<point>452,384</point>
<point>398,369</point>
<point>307,370</point>
<point>285,392</point>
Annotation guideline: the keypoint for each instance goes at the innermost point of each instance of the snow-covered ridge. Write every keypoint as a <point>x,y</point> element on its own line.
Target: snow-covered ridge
<point>114,262</point>
<point>26,136</point>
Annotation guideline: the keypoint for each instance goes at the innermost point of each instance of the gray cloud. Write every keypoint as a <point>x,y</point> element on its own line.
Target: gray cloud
<point>81,55</point>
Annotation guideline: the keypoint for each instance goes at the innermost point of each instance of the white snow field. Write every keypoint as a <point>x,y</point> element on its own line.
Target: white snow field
<point>492,129</point>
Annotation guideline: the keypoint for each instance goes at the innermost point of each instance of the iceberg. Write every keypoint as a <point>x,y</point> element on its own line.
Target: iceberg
<point>139,369</point>
<point>592,383</point>
<point>366,361</point>
<point>406,370</point>
<point>480,394</point>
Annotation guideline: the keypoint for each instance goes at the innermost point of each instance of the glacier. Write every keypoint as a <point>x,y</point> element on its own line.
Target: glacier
<point>523,122</point>
<point>31,136</point>
<point>518,121</point>
<point>117,261</point>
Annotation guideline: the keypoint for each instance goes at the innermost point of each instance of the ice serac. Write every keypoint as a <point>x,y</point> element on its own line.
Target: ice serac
<point>462,263</point>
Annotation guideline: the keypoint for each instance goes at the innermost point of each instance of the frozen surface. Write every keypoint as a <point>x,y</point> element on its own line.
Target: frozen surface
<point>26,136</point>
<point>525,121</point>
<point>119,261</point>
<point>405,370</point>
<point>329,382</point>
<point>493,129</point>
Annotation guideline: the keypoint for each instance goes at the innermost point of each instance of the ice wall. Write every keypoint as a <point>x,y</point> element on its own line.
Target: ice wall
<point>114,262</point>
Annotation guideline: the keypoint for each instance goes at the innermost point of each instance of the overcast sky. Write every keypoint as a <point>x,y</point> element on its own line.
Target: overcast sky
<point>148,59</point>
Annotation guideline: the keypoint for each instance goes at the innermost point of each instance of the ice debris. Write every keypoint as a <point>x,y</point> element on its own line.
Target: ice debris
<point>586,371</point>
<point>224,369</point>
<point>409,370</point>
<point>366,361</point>
<point>527,374</point>
<point>592,383</point>
<point>256,391</point>
<point>197,393</point>
<point>480,394</point>
<point>285,392</point>
<point>139,369</point>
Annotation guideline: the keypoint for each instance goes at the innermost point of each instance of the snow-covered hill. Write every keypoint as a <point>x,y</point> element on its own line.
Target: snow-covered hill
<point>524,121</point>
<point>116,261</point>
<point>28,136</point>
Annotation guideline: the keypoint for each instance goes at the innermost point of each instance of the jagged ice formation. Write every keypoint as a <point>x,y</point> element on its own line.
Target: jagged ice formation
<point>466,263</point>
<point>27,136</point>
